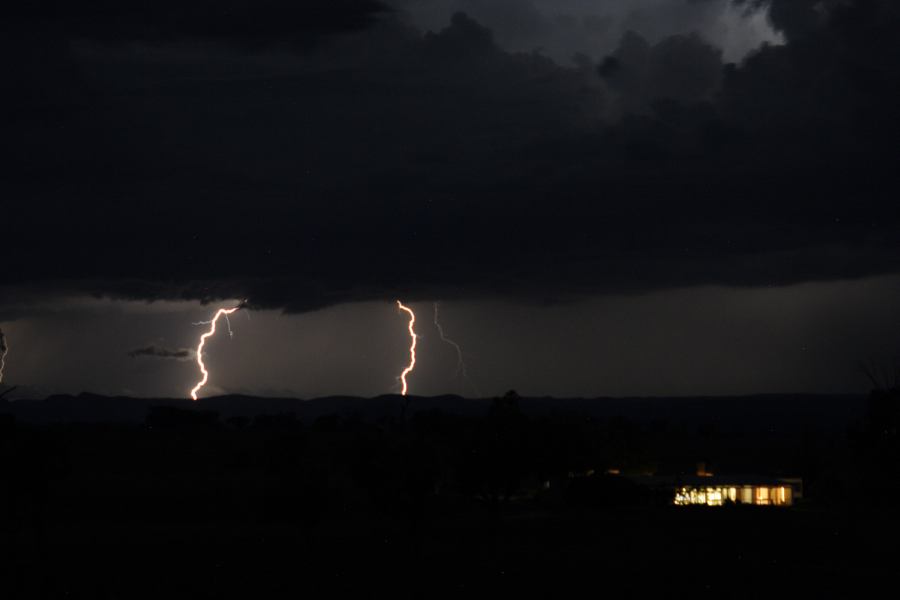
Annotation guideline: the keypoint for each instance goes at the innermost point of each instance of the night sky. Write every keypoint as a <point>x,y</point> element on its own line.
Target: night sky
<point>607,197</point>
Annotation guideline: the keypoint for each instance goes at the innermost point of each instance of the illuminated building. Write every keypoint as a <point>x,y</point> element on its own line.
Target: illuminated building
<point>708,489</point>
<point>719,491</point>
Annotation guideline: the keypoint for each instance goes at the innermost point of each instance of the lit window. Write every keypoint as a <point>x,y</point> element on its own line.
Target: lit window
<point>713,497</point>
<point>784,495</point>
<point>718,496</point>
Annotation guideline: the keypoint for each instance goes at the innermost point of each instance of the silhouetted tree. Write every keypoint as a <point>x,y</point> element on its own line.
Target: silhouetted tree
<point>877,467</point>
<point>499,456</point>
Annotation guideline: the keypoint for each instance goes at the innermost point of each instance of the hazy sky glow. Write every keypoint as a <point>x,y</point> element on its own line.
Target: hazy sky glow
<point>709,340</point>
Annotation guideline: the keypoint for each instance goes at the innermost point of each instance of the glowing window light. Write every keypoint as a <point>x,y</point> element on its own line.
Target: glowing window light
<point>714,497</point>
<point>709,496</point>
<point>720,495</point>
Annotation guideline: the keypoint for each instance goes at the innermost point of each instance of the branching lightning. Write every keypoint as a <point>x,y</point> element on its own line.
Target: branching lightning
<point>461,370</point>
<point>460,364</point>
<point>222,312</point>
<point>227,322</point>
<point>4,349</point>
<point>412,347</point>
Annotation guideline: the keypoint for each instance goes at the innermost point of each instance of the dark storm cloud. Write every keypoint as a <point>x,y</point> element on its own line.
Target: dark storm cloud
<point>683,69</point>
<point>389,162</point>
<point>250,21</point>
<point>163,353</point>
<point>565,28</point>
<point>797,18</point>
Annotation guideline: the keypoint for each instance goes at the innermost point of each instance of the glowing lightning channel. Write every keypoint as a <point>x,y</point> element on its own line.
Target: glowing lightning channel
<point>4,349</point>
<point>222,312</point>
<point>460,363</point>
<point>461,369</point>
<point>227,322</point>
<point>412,347</point>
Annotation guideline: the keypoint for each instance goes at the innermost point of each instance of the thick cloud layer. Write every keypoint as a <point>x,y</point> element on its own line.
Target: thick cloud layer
<point>563,29</point>
<point>388,161</point>
<point>258,22</point>
<point>683,69</point>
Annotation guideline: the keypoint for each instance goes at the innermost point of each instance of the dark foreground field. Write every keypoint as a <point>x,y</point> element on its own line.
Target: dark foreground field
<point>612,553</point>
<point>430,504</point>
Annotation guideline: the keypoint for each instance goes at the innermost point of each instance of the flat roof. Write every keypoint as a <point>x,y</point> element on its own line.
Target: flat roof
<point>715,480</point>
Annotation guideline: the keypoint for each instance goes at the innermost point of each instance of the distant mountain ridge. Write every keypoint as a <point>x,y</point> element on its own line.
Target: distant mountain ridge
<point>781,412</point>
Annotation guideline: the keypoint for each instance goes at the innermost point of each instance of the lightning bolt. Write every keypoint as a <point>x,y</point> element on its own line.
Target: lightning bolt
<point>222,312</point>
<point>227,322</point>
<point>4,350</point>
<point>460,363</point>
<point>412,347</point>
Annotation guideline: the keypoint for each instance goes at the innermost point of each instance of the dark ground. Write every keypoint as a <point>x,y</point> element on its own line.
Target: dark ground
<point>190,505</point>
<point>619,553</point>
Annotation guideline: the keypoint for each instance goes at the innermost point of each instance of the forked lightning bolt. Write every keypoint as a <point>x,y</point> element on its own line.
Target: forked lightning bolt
<point>412,347</point>
<point>222,312</point>
<point>4,349</point>
<point>227,322</point>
